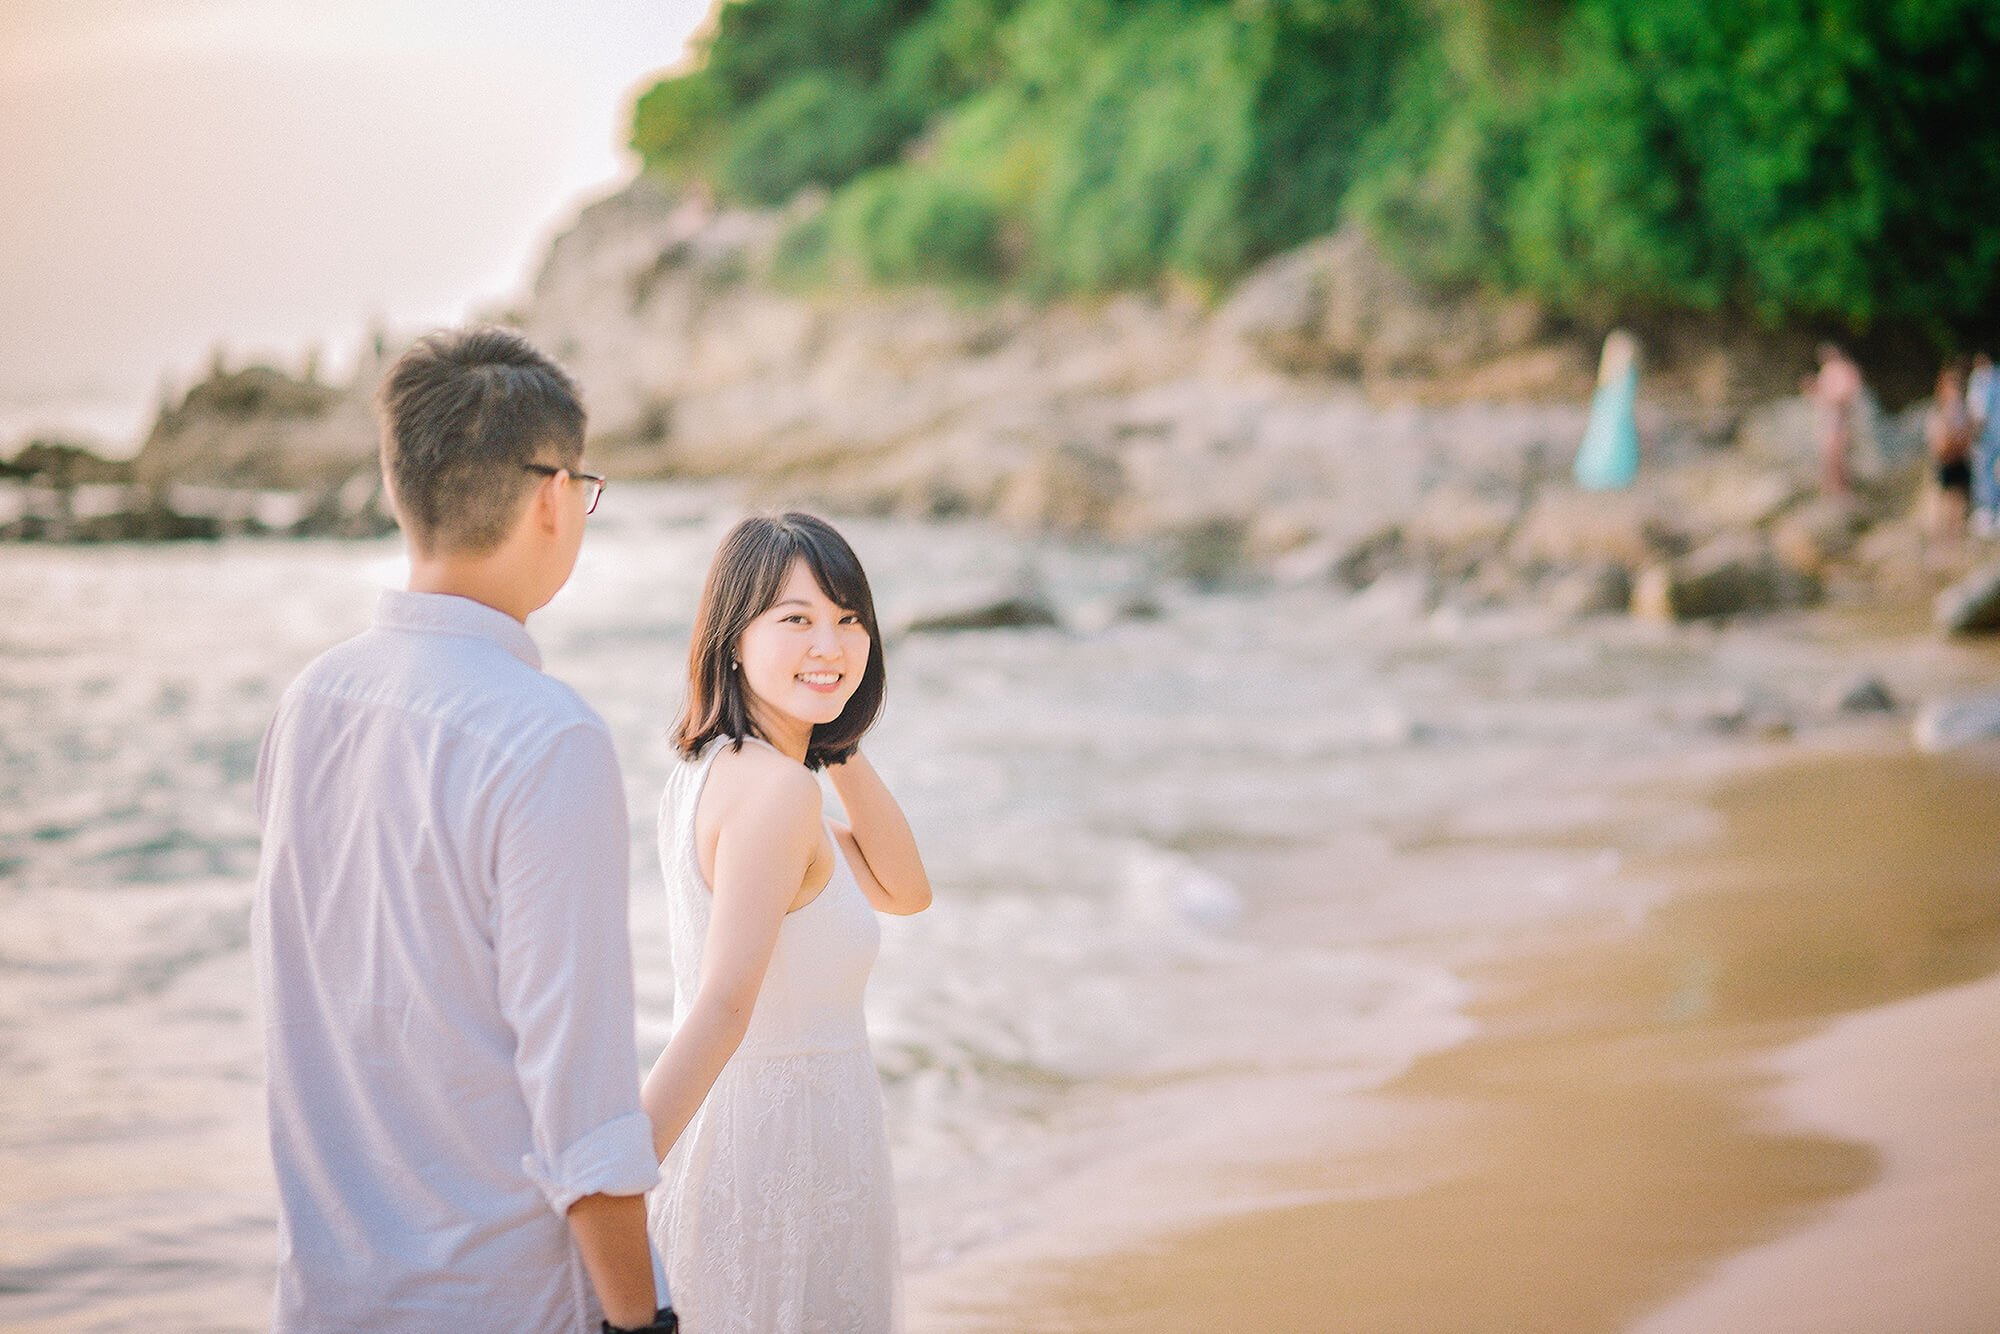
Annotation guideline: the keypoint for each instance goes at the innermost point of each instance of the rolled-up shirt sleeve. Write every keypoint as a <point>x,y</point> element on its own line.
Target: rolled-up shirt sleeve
<point>564,951</point>
<point>614,1159</point>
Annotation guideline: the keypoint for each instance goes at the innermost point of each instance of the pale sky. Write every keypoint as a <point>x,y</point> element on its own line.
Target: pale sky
<point>273,175</point>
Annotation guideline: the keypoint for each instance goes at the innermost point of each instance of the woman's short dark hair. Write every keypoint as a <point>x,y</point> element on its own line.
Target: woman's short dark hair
<point>743,583</point>
<point>461,411</point>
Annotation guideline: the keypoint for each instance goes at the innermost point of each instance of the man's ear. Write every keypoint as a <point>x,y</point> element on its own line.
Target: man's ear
<point>545,506</point>
<point>388,477</point>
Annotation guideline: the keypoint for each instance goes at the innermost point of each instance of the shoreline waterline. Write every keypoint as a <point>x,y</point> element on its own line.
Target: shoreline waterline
<point>1917,1080</point>
<point>1620,1127</point>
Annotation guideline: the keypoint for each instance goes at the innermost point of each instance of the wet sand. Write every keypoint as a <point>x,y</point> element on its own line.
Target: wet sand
<point>1769,1106</point>
<point>1914,1253</point>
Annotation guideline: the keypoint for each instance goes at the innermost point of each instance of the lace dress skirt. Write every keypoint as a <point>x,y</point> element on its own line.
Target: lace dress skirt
<point>775,1213</point>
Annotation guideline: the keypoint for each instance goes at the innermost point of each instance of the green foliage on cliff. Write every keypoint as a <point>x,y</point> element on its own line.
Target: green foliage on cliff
<point>1192,138</point>
<point>1832,160</point>
<point>1827,159</point>
<point>896,227</point>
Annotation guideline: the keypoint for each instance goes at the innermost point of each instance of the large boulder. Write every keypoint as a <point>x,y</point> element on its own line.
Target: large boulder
<point>1072,487</point>
<point>357,506</point>
<point>1972,605</point>
<point>1457,527</point>
<point>1359,564</point>
<point>1819,533</point>
<point>1337,306</point>
<point>1022,606</point>
<point>1567,528</point>
<point>1859,692</point>
<point>1603,589</point>
<point>1958,720</point>
<point>1732,576</point>
<point>1729,493</point>
<point>260,428</point>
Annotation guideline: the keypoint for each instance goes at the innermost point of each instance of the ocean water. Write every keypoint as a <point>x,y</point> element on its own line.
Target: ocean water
<point>1250,838</point>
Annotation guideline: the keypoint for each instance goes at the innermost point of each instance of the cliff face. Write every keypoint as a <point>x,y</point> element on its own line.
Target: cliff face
<point>1326,397</point>
<point>1123,417</point>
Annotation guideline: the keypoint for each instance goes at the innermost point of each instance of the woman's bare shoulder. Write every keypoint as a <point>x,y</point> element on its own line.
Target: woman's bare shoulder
<point>760,782</point>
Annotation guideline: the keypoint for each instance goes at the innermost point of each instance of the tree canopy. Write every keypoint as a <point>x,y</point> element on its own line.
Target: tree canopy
<point>1831,161</point>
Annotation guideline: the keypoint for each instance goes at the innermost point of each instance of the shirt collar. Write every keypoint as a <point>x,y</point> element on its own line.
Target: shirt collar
<point>449,614</point>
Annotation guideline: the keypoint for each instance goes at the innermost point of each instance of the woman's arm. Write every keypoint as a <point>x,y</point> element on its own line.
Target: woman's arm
<point>888,866</point>
<point>766,844</point>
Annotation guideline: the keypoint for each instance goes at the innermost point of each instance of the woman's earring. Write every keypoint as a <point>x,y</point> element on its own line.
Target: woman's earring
<point>733,664</point>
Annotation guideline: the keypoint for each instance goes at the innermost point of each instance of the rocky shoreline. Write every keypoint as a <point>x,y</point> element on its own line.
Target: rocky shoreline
<point>34,508</point>
<point>1326,420</point>
<point>251,452</point>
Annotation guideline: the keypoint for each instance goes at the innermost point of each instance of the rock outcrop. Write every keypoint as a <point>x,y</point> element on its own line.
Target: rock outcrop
<point>1972,605</point>
<point>1958,720</point>
<point>260,428</point>
<point>63,465</point>
<point>1336,307</point>
<point>1016,608</point>
<point>1732,576</point>
<point>1133,416</point>
<point>1862,692</point>
<point>1329,418</point>
<point>241,478</point>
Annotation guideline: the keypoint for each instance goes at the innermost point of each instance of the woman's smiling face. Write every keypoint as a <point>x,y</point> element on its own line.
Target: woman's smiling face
<point>801,658</point>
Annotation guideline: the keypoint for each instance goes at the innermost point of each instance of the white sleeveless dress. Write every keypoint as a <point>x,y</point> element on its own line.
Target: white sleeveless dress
<point>775,1212</point>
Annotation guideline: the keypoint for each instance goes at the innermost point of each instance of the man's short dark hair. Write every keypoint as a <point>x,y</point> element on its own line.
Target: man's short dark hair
<point>461,412</point>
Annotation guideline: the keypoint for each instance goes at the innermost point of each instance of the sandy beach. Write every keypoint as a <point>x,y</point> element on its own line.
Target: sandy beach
<point>1768,1107</point>
<point>1913,1253</point>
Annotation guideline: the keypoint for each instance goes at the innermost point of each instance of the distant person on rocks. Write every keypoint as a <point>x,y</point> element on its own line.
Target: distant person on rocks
<point>1835,393</point>
<point>1609,456</point>
<point>1982,406</point>
<point>440,927</point>
<point>1948,436</point>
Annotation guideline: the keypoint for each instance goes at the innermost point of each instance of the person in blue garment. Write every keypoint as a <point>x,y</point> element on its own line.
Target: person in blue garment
<point>1982,405</point>
<point>1609,456</point>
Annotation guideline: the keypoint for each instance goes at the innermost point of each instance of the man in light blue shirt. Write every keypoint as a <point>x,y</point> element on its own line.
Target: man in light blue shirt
<point>440,928</point>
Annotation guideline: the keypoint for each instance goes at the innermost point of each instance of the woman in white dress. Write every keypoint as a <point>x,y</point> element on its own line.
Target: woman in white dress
<point>775,1211</point>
